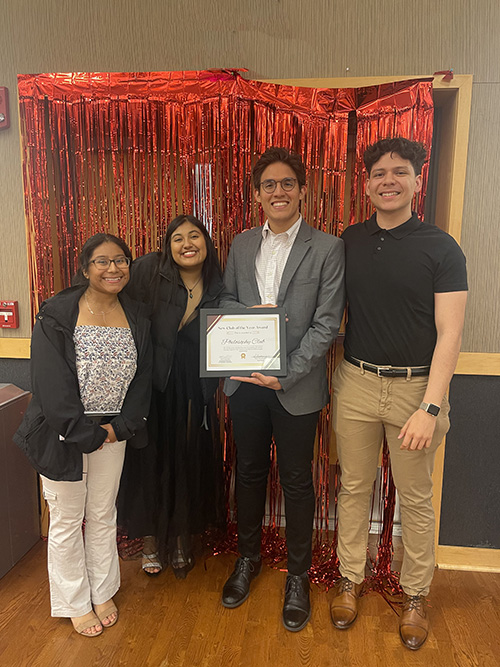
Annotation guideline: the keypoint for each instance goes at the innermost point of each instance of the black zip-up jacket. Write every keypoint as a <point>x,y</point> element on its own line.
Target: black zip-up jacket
<point>168,299</point>
<point>55,431</point>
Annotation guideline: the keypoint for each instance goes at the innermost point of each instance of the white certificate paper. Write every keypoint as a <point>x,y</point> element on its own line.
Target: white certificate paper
<point>240,342</point>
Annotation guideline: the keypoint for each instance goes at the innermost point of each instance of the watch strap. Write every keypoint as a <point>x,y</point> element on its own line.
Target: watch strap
<point>430,408</point>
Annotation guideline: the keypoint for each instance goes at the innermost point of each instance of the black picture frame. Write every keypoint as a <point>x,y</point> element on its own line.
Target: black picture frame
<point>211,319</point>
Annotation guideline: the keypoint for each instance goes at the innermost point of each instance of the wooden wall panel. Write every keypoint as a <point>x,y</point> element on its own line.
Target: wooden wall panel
<point>481,222</point>
<point>273,39</point>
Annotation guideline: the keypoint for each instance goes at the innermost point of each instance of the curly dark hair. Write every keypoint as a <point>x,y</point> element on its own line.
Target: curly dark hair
<point>88,250</point>
<point>277,154</point>
<point>413,151</point>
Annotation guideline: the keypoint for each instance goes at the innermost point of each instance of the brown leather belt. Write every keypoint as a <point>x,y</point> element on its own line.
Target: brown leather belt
<point>389,371</point>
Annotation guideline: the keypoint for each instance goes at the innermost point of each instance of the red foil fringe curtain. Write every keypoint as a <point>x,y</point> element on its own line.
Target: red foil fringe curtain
<point>402,109</point>
<point>126,153</point>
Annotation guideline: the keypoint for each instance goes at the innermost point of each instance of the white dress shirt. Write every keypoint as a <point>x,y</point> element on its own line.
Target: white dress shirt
<point>271,260</point>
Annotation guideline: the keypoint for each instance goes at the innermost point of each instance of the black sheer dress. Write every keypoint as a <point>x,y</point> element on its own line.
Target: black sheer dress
<point>173,489</point>
<point>189,453</point>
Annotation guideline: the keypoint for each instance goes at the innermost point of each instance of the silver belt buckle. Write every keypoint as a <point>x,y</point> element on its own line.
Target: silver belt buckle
<point>382,368</point>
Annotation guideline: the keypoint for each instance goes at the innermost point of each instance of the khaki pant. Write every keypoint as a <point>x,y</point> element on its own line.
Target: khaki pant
<point>366,407</point>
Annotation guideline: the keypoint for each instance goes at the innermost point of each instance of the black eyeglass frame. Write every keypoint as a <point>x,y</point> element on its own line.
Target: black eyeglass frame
<point>106,259</point>
<point>270,181</point>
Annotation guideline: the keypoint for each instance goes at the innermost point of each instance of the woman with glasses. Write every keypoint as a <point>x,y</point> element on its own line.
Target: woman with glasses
<point>175,491</point>
<point>91,366</point>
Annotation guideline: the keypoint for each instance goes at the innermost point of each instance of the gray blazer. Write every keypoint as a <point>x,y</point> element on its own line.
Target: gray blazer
<point>312,293</point>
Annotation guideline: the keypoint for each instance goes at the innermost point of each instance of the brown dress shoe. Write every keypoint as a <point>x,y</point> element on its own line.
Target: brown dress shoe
<point>413,623</point>
<point>344,607</point>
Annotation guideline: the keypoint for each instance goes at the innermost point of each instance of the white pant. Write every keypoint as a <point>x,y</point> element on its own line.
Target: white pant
<point>84,572</point>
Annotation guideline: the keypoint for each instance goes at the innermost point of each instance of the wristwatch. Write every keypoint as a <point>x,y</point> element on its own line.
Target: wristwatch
<point>430,408</point>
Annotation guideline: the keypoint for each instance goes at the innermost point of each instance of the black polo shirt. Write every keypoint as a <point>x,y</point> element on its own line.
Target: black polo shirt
<point>391,278</point>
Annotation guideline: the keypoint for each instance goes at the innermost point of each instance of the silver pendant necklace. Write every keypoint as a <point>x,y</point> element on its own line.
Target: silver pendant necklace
<point>190,289</point>
<point>103,313</point>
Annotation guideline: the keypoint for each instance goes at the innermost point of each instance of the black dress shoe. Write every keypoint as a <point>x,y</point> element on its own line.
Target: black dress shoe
<point>237,587</point>
<point>297,607</point>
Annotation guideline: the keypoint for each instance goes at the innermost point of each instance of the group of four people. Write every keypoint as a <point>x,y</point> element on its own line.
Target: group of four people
<point>92,364</point>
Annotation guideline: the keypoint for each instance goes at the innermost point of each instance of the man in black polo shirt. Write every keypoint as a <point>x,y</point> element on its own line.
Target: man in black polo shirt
<point>406,291</point>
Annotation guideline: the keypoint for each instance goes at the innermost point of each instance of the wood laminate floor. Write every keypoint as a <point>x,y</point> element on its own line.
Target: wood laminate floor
<point>165,622</point>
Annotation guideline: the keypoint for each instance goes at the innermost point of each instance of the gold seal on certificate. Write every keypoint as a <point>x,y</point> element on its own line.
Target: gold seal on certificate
<point>240,341</point>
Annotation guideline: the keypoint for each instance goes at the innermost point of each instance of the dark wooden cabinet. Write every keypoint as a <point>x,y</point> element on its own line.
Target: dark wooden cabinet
<point>19,500</point>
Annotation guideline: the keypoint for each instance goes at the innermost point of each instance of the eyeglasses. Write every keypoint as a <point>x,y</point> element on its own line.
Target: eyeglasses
<point>269,185</point>
<point>103,263</point>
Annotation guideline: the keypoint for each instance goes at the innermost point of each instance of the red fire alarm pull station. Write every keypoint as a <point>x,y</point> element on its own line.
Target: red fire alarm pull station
<point>9,315</point>
<point>4,108</point>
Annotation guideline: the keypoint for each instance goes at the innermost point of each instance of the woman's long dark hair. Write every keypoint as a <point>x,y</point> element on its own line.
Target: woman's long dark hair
<point>211,267</point>
<point>88,250</point>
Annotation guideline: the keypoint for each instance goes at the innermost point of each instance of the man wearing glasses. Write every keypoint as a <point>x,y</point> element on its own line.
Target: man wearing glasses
<point>289,264</point>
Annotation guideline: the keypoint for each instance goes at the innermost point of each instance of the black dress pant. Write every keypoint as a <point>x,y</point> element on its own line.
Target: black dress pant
<point>257,415</point>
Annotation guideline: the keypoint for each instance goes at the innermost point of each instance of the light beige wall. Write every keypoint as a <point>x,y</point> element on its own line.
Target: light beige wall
<point>273,39</point>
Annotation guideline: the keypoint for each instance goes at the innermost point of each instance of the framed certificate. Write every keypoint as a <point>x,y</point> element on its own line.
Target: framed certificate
<point>240,341</point>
